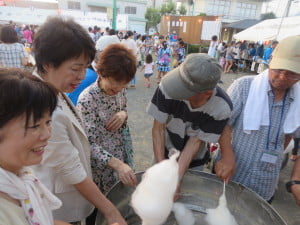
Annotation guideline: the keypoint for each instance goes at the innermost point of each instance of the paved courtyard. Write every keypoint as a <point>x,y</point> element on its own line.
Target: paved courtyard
<point>141,124</point>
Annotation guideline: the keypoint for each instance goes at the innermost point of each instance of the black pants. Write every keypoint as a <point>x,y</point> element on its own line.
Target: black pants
<point>91,219</point>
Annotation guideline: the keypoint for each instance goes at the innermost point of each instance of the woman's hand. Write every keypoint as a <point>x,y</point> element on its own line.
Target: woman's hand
<point>126,174</point>
<point>116,121</point>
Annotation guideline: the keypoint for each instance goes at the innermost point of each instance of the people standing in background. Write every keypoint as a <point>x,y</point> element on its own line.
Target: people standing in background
<point>180,53</point>
<point>97,34</point>
<point>163,60</point>
<point>220,48</point>
<point>91,33</point>
<point>12,53</point>
<point>131,44</point>
<point>27,34</point>
<point>106,40</point>
<point>173,39</point>
<point>148,67</point>
<point>229,57</point>
<point>213,46</point>
<point>139,45</point>
<point>267,55</point>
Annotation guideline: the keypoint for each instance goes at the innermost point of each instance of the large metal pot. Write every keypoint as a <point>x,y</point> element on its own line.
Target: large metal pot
<point>201,191</point>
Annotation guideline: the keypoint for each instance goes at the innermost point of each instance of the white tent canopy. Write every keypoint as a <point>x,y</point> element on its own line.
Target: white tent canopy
<point>268,30</point>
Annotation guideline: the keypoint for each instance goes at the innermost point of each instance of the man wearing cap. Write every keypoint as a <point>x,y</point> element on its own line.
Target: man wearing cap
<point>189,109</point>
<point>266,109</point>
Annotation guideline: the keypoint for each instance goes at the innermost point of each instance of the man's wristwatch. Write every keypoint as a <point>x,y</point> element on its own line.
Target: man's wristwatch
<point>289,184</point>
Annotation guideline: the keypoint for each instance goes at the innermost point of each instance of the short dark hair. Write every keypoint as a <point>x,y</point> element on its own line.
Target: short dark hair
<point>128,34</point>
<point>149,58</point>
<point>22,93</point>
<point>214,38</point>
<point>59,40</point>
<point>112,32</point>
<point>118,62</point>
<point>8,34</point>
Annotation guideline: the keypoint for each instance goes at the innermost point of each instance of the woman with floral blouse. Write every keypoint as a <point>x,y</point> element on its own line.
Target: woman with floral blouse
<point>103,110</point>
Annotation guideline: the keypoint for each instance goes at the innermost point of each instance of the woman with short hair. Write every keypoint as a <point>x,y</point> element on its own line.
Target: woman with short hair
<point>63,50</point>
<point>26,106</point>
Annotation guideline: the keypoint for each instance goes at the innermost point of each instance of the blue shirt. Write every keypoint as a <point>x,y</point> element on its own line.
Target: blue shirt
<point>267,55</point>
<point>250,171</point>
<point>90,77</point>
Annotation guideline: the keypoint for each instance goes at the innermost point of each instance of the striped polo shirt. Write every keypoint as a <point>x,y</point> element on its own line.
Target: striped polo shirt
<point>182,121</point>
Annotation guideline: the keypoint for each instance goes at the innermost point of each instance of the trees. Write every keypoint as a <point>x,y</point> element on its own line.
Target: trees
<point>266,16</point>
<point>153,17</point>
<point>182,10</point>
<point>168,8</point>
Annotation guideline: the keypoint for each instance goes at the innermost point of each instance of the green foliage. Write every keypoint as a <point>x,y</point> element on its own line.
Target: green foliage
<point>182,10</point>
<point>202,14</point>
<point>266,16</point>
<point>191,48</point>
<point>152,16</point>
<point>168,8</point>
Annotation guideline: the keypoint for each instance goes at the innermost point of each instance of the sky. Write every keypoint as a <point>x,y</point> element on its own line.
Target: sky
<point>279,6</point>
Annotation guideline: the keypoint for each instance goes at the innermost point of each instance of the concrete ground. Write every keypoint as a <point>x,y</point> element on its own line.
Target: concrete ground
<point>140,124</point>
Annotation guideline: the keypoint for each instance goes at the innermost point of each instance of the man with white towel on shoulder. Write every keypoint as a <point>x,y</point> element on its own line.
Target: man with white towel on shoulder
<point>266,109</point>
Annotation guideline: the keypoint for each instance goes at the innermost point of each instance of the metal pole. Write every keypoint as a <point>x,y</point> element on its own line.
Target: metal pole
<point>114,17</point>
<point>193,8</point>
<point>285,13</point>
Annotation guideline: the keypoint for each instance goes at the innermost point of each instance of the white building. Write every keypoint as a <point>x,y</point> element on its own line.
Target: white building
<point>135,9</point>
<point>228,10</point>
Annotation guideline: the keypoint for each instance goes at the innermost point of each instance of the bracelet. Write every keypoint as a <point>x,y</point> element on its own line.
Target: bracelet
<point>289,184</point>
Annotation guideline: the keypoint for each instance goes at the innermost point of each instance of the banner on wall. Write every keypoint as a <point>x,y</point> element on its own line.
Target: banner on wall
<point>39,16</point>
<point>209,29</point>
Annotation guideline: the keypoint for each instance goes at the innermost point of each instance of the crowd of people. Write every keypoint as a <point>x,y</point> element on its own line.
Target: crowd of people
<point>243,55</point>
<point>69,118</point>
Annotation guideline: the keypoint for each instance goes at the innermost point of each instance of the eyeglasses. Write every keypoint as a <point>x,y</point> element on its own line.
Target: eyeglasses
<point>287,74</point>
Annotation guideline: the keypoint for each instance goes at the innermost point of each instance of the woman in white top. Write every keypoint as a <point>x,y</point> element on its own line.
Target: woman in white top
<point>131,44</point>
<point>213,46</point>
<point>25,127</point>
<point>63,50</point>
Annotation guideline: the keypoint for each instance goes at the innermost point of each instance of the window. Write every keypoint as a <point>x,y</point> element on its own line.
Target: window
<point>73,5</point>
<point>130,10</point>
<point>246,10</point>
<point>218,7</point>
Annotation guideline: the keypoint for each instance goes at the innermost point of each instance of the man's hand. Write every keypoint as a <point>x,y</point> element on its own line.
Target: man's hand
<point>224,168</point>
<point>116,121</point>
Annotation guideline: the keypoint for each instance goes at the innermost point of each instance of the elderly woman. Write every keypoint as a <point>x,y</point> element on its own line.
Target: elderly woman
<point>26,106</point>
<point>63,50</point>
<point>103,109</point>
<point>12,53</point>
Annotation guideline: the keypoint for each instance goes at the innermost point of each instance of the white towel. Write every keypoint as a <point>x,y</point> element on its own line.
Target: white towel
<point>256,111</point>
<point>36,200</point>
